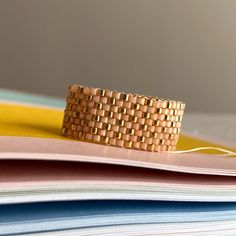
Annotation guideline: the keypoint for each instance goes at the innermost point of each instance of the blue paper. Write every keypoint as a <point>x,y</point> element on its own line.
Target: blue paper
<point>37,217</point>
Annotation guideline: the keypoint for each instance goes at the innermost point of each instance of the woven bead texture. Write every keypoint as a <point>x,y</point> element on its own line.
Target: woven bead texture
<point>121,119</point>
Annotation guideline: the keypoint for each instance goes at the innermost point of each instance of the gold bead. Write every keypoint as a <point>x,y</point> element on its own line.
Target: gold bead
<point>165,129</point>
<point>94,130</point>
<point>174,130</point>
<point>85,109</point>
<point>105,139</point>
<point>90,98</point>
<point>76,114</point>
<point>122,110</point>
<point>124,97</point>
<point>156,122</point>
<point>176,112</point>
<point>107,126</point>
<point>110,114</point>
<point>84,122</point>
<point>81,135</point>
<point>102,92</point>
<point>146,115</point>
<point>68,106</point>
<point>162,141</point>
<point>72,94</point>
<point>111,101</point>
<point>149,102</point>
<point>151,147</point>
<point>131,131</point>
<point>128,144</point>
<point>167,117</point>
<point>64,130</point>
<point>98,105</point>
<point>95,117</point>
<point>182,106</point>
<point>136,106</point>
<point>169,104</point>
<point>141,139</point>
<point>77,101</point>
<point>73,127</point>
<point>154,135</point>
<point>80,89</point>
<point>118,135</point>
<point>144,127</point>
<point>134,118</point>
<point>178,106</point>
<point>66,118</point>
<point>121,122</point>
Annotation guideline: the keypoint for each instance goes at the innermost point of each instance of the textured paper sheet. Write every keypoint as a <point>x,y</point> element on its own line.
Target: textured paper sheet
<point>68,215</point>
<point>51,149</point>
<point>28,171</point>
<point>39,181</point>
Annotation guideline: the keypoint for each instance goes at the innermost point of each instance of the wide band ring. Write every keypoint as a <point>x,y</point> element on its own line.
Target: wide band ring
<point>122,119</point>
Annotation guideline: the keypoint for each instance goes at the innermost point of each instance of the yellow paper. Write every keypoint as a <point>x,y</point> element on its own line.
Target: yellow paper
<point>32,121</point>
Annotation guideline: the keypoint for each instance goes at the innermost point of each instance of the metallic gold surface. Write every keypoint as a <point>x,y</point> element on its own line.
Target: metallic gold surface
<point>122,119</point>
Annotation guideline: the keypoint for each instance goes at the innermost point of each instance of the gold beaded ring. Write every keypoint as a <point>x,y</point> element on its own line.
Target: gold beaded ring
<point>122,119</point>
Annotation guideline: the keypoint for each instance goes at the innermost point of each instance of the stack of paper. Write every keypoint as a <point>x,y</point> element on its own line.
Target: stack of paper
<point>50,185</point>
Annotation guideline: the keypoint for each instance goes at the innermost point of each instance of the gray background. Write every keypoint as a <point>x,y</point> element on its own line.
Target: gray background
<point>179,49</point>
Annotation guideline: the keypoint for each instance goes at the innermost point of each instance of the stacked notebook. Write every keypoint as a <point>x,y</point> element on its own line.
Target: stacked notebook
<point>50,185</point>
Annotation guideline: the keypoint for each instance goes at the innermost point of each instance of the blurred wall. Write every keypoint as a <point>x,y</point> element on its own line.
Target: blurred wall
<point>180,49</point>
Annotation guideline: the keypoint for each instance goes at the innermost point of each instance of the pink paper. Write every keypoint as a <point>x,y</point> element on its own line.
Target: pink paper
<point>66,150</point>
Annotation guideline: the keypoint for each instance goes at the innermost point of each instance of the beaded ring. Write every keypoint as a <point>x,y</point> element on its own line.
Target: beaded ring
<point>122,119</point>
